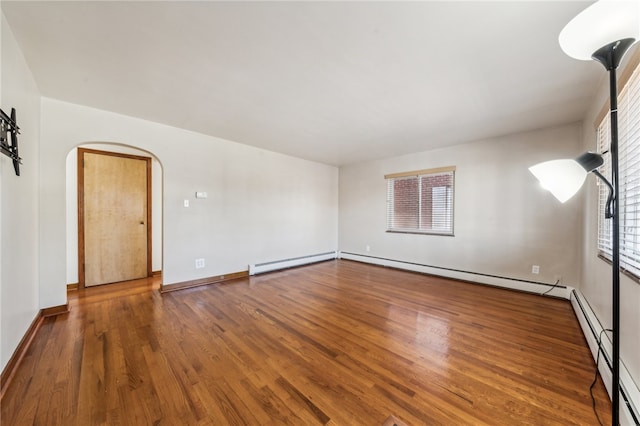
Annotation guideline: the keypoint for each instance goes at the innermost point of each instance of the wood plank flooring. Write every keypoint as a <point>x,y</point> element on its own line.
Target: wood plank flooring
<point>336,343</point>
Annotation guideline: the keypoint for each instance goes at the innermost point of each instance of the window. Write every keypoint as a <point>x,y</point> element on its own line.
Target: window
<point>629,177</point>
<point>421,201</point>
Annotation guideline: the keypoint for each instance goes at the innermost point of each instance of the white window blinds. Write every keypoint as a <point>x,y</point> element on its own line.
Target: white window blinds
<point>421,201</point>
<point>629,177</point>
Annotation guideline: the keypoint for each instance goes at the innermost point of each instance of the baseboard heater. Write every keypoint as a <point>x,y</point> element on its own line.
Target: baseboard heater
<point>537,287</point>
<point>591,328</point>
<point>275,265</point>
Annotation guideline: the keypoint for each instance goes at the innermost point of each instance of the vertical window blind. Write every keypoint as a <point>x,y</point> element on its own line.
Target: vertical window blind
<point>629,177</point>
<point>421,201</point>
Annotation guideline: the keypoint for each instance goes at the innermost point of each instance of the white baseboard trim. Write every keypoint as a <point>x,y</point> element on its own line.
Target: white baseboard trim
<point>275,265</point>
<point>493,280</point>
<point>591,328</point>
<point>629,394</point>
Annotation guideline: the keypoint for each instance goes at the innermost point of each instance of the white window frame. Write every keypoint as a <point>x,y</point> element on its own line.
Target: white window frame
<point>629,178</point>
<point>445,226</point>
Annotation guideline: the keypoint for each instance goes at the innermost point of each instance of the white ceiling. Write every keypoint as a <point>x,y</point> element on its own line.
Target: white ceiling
<point>334,82</point>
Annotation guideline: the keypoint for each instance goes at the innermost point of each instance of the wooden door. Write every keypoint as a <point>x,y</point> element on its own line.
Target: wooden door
<point>114,217</point>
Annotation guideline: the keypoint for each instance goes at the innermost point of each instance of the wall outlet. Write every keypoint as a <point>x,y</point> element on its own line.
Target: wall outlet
<point>199,263</point>
<point>368,248</point>
<point>535,269</point>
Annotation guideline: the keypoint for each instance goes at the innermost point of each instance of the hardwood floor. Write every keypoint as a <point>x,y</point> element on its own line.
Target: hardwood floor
<point>337,343</point>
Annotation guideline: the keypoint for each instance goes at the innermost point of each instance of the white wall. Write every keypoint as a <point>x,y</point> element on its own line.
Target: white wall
<point>72,206</point>
<point>19,273</point>
<point>261,205</point>
<point>504,221</point>
<point>596,273</point>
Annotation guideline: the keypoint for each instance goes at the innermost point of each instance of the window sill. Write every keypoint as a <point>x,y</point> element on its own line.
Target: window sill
<point>442,234</point>
<point>633,276</point>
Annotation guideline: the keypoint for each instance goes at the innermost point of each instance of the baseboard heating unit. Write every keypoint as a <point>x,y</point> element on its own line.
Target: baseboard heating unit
<point>589,323</point>
<point>275,265</point>
<point>592,330</point>
<point>494,280</point>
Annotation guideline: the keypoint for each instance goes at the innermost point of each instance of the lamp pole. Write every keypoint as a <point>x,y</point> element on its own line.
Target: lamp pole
<point>610,56</point>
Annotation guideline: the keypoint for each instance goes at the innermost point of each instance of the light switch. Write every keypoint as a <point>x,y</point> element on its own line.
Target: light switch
<point>186,203</point>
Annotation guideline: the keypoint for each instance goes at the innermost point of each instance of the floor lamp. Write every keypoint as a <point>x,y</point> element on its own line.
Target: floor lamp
<point>602,32</point>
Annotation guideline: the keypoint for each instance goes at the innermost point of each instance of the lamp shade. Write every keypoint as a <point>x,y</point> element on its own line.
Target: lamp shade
<point>563,178</point>
<point>601,23</point>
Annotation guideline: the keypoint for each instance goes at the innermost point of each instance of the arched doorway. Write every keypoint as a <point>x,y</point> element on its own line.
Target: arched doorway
<point>75,235</point>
